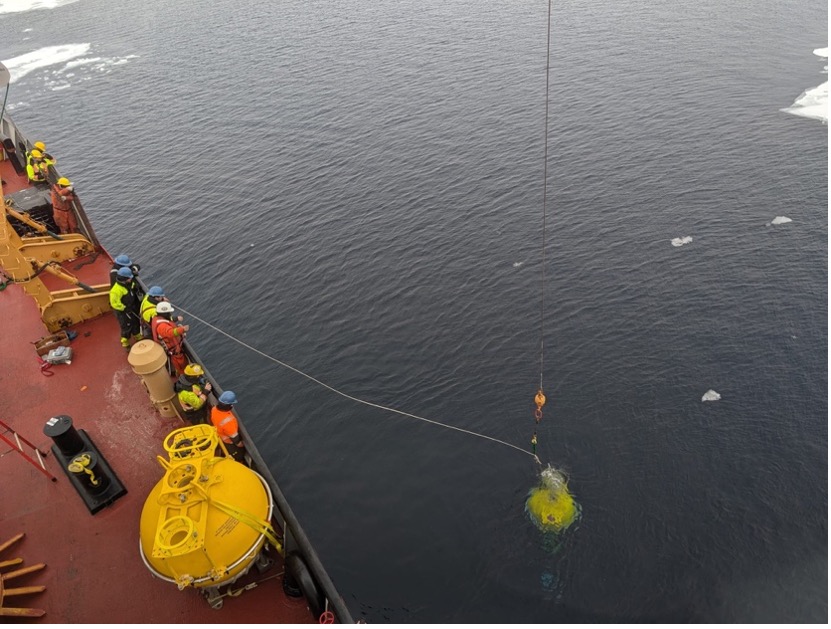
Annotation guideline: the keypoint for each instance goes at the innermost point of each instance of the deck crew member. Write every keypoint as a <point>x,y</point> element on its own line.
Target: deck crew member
<point>192,392</point>
<point>63,198</point>
<point>120,261</point>
<point>36,167</point>
<point>147,310</point>
<point>47,158</point>
<point>123,301</point>
<point>227,426</point>
<point>170,336</point>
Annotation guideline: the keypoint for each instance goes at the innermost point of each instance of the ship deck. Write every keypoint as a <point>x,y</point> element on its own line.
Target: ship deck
<point>94,572</point>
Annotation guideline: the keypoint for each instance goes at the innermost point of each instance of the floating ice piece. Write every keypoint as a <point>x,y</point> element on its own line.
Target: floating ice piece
<point>518,264</point>
<point>813,102</point>
<point>19,6</point>
<point>678,242</point>
<point>779,220</point>
<point>710,396</point>
<point>43,58</point>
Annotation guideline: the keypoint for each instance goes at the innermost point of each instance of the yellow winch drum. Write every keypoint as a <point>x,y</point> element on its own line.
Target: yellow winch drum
<point>206,521</point>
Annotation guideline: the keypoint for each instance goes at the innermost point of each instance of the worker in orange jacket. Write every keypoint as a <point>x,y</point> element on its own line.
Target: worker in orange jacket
<point>63,197</point>
<point>170,335</point>
<point>227,426</point>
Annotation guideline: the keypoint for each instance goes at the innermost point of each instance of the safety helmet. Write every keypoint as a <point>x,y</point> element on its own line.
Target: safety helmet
<point>156,291</point>
<point>36,153</point>
<point>125,272</point>
<point>40,146</point>
<point>63,181</point>
<point>164,307</point>
<point>229,397</point>
<point>123,260</point>
<point>194,370</point>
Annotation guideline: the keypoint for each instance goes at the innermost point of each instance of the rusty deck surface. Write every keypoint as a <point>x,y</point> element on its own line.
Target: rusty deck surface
<point>94,572</point>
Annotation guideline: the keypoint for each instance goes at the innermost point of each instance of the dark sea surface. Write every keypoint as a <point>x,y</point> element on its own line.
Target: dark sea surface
<point>356,188</point>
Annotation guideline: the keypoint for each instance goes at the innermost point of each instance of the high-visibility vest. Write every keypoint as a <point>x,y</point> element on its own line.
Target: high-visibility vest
<point>226,425</point>
<point>148,309</point>
<point>190,399</point>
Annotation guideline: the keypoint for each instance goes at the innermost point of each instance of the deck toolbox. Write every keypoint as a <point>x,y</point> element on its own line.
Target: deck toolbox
<point>53,341</point>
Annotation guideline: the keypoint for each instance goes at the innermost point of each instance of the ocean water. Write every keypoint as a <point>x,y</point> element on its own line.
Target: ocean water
<point>356,188</point>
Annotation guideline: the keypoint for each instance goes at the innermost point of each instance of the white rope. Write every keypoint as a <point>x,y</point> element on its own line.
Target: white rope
<point>346,395</point>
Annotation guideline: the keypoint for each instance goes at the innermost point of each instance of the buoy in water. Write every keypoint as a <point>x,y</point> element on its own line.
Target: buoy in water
<point>550,505</point>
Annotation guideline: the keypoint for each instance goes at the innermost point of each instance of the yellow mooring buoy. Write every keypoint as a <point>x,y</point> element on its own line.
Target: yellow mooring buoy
<point>551,506</point>
<point>206,521</point>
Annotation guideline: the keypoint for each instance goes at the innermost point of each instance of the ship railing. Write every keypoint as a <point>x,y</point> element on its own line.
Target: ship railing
<point>294,537</point>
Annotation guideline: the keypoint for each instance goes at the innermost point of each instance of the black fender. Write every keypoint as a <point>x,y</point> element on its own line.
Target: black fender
<point>298,571</point>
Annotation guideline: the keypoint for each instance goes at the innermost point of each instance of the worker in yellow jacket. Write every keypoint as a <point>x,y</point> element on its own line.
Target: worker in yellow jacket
<point>123,302</point>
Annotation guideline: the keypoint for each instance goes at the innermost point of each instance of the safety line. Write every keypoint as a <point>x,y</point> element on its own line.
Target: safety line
<point>346,395</point>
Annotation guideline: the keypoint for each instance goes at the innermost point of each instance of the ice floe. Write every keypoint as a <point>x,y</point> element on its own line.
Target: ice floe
<point>710,396</point>
<point>679,242</point>
<point>19,6</point>
<point>43,58</point>
<point>56,65</point>
<point>813,102</point>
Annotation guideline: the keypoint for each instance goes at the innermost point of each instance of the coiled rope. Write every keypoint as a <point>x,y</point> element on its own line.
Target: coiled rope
<point>346,395</point>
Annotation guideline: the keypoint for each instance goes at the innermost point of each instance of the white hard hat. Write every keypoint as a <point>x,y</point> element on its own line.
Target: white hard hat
<point>164,307</point>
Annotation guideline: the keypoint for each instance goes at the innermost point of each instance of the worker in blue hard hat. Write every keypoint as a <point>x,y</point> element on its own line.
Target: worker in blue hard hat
<point>147,309</point>
<point>120,261</point>
<point>123,301</point>
<point>225,422</point>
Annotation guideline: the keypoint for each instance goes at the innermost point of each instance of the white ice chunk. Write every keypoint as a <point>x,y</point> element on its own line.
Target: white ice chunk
<point>813,102</point>
<point>43,58</point>
<point>19,6</point>
<point>678,242</point>
<point>780,220</point>
<point>710,396</point>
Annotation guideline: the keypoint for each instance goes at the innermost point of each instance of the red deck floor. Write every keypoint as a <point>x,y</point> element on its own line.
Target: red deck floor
<point>94,572</point>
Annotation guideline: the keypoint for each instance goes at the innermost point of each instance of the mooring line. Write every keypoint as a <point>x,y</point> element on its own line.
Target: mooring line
<point>346,395</point>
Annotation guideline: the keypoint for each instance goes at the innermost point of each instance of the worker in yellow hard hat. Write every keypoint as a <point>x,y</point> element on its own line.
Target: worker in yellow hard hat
<point>36,167</point>
<point>192,390</point>
<point>47,157</point>
<point>63,206</point>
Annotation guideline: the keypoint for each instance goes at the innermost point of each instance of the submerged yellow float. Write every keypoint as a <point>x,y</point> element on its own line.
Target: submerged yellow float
<point>550,505</point>
<point>207,520</point>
